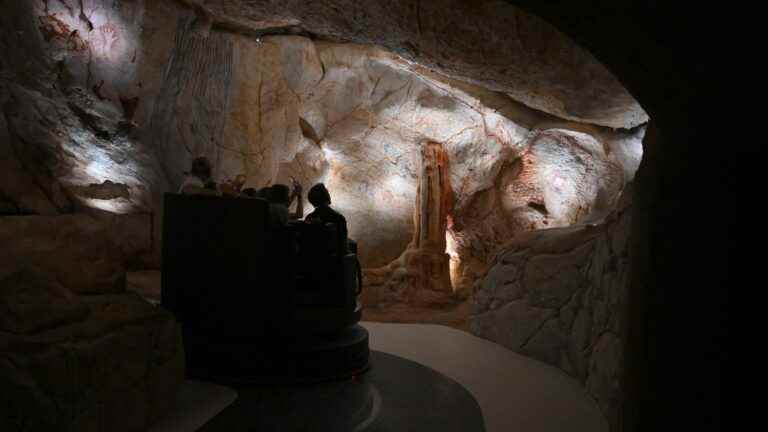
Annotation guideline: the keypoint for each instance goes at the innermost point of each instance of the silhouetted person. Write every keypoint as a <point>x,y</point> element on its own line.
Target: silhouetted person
<point>249,193</point>
<point>199,180</point>
<point>263,193</point>
<point>296,194</point>
<point>280,198</point>
<point>320,198</point>
<point>234,186</point>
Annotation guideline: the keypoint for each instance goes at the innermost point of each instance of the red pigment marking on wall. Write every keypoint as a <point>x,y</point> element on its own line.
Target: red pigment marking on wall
<point>53,28</point>
<point>109,36</point>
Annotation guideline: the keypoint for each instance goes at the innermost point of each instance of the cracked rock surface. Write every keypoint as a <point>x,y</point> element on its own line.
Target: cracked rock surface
<point>109,111</point>
<point>559,295</point>
<point>489,42</point>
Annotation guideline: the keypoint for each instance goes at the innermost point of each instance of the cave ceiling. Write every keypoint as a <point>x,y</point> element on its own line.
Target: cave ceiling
<point>489,43</point>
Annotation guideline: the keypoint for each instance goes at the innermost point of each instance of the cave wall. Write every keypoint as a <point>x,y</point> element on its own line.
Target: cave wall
<point>488,42</point>
<point>77,84</point>
<point>105,105</point>
<point>565,175</point>
<point>76,350</point>
<point>108,105</point>
<point>560,296</point>
<point>115,105</point>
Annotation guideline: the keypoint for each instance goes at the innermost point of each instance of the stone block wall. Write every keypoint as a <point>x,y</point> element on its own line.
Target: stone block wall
<point>559,296</point>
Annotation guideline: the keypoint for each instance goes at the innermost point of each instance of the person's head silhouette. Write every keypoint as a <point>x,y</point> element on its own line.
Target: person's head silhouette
<point>201,168</point>
<point>318,196</point>
<point>280,194</point>
<point>249,192</point>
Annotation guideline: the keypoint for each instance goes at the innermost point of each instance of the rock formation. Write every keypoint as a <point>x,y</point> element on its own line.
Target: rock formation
<point>421,275</point>
<point>103,106</point>
<point>489,42</point>
<point>77,350</point>
<point>559,295</point>
<point>131,113</point>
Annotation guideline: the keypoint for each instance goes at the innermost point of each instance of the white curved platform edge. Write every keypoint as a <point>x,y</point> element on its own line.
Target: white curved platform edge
<point>515,393</point>
<point>197,402</point>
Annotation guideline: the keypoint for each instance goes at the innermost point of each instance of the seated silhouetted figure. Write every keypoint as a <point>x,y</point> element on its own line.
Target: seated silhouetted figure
<point>280,198</point>
<point>249,193</point>
<point>199,180</point>
<point>263,193</point>
<point>320,198</point>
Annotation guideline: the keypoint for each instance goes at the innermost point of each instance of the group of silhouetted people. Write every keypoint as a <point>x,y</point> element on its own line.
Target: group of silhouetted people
<point>199,181</point>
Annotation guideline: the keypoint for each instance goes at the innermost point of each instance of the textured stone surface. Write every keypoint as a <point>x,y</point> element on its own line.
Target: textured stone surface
<point>559,295</point>
<point>488,42</point>
<point>76,351</point>
<point>109,111</point>
<point>104,104</point>
<point>32,301</point>
<point>74,250</point>
<point>115,366</point>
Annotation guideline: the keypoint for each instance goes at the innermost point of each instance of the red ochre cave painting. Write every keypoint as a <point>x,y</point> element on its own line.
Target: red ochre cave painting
<point>54,29</point>
<point>105,41</point>
<point>108,36</point>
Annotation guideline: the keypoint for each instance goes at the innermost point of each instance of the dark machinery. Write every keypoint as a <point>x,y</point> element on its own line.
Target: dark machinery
<point>260,303</point>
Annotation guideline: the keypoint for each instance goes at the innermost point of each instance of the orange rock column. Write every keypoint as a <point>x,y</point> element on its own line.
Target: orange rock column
<point>426,260</point>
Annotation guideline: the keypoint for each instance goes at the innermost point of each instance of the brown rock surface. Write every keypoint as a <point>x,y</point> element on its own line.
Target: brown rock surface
<point>115,369</point>
<point>489,42</point>
<point>73,250</point>
<point>560,295</point>
<point>111,118</point>
<point>76,352</point>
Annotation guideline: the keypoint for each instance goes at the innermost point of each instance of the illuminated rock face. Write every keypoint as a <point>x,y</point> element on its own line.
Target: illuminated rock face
<point>488,42</point>
<point>421,275</point>
<point>109,111</point>
<point>560,295</point>
<point>111,117</point>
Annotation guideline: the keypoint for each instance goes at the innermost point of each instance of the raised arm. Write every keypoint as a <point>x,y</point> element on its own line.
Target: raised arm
<point>296,193</point>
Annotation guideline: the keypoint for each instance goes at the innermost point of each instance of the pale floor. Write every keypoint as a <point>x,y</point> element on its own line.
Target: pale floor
<point>515,393</point>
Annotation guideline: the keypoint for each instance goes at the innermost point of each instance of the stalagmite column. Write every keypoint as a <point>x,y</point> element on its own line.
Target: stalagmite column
<point>426,260</point>
<point>434,199</point>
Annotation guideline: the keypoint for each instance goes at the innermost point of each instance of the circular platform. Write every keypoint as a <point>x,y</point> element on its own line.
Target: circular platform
<point>278,358</point>
<point>395,395</point>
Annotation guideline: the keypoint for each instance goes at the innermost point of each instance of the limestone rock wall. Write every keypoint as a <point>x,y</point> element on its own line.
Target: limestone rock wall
<point>487,42</point>
<point>76,351</point>
<point>100,363</point>
<point>559,295</point>
<point>109,106</point>
<point>564,175</point>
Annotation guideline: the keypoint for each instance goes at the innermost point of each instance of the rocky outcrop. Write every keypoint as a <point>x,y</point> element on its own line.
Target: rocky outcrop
<point>561,177</point>
<point>76,351</point>
<point>559,295</point>
<point>74,250</point>
<point>101,363</point>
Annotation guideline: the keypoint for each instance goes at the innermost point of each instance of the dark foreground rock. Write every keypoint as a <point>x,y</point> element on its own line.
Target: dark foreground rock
<point>77,352</point>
